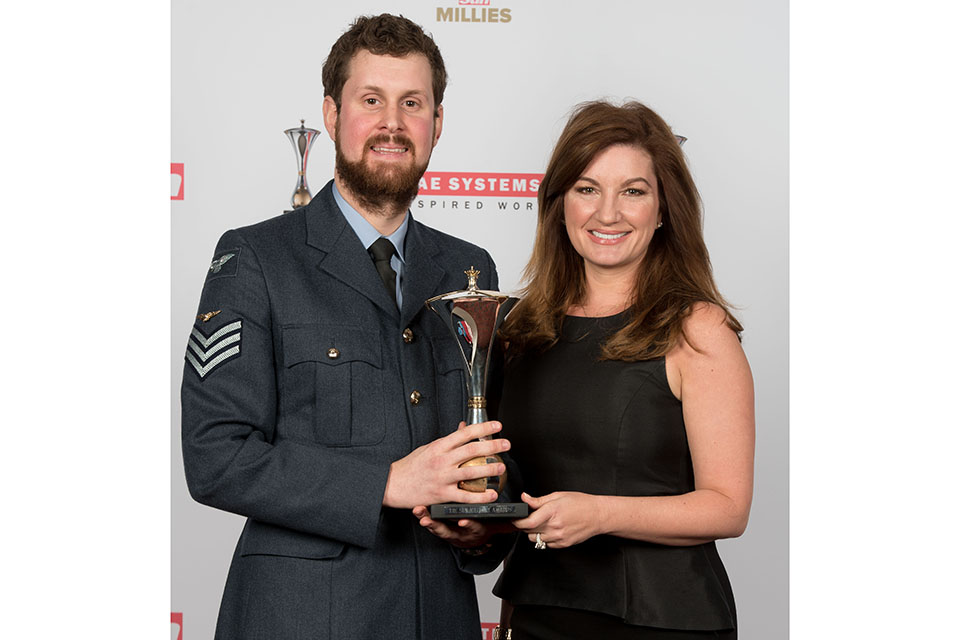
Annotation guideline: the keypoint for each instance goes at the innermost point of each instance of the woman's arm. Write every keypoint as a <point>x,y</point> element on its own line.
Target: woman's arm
<point>506,612</point>
<point>716,388</point>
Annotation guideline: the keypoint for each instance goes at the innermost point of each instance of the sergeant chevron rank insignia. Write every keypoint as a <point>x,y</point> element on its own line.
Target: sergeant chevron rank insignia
<point>224,264</point>
<point>206,353</point>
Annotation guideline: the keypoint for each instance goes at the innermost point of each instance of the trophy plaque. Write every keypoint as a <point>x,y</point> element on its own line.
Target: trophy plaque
<point>473,317</point>
<point>302,139</point>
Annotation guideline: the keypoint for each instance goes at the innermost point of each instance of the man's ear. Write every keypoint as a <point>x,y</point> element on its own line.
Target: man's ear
<point>437,125</point>
<point>330,115</point>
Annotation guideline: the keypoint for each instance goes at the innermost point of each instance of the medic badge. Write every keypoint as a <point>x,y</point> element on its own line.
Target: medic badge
<point>206,353</point>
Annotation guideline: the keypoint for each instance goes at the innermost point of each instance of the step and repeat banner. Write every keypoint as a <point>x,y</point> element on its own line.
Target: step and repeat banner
<point>715,70</point>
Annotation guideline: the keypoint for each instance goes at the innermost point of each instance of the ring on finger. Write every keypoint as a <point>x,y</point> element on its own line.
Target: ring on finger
<point>539,544</point>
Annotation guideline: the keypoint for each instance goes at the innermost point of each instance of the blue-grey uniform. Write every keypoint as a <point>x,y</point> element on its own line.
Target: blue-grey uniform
<point>303,382</point>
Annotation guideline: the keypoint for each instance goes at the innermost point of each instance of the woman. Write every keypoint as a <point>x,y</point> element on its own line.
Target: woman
<point>627,398</point>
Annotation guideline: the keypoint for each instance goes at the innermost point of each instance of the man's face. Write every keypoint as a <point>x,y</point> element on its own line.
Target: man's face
<point>385,129</point>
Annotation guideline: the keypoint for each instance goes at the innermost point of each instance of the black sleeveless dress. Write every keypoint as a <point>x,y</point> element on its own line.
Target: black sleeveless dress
<point>608,428</point>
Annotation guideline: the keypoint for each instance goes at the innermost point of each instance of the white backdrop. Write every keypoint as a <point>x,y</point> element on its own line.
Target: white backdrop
<point>717,72</point>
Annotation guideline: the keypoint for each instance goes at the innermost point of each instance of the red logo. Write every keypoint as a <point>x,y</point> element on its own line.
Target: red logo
<point>177,618</point>
<point>487,628</point>
<point>451,183</point>
<point>176,181</point>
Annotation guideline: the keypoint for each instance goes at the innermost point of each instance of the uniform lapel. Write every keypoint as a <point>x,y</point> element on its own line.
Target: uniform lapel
<point>345,258</point>
<point>422,274</point>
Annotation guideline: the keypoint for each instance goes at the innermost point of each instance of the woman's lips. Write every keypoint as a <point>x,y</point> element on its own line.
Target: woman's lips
<point>608,236</point>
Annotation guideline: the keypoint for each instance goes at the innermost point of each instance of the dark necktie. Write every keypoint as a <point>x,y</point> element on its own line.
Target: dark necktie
<point>381,251</point>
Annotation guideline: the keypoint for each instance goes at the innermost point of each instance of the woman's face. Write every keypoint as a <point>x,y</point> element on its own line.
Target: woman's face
<point>612,210</point>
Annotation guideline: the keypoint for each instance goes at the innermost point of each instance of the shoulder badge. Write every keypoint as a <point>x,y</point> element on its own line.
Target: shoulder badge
<point>224,264</point>
<point>218,263</point>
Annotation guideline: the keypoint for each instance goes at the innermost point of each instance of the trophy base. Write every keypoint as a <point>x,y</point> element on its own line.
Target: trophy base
<point>501,510</point>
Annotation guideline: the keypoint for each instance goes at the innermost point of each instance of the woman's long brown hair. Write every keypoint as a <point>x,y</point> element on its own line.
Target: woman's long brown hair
<point>675,273</point>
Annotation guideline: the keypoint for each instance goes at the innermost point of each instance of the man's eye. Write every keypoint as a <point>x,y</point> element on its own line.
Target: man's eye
<point>371,101</point>
<point>411,104</point>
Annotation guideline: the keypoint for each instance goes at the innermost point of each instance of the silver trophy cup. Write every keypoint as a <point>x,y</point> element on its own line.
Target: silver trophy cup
<point>473,317</point>
<point>302,139</point>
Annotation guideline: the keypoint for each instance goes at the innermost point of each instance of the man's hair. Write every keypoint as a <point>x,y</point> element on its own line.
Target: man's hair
<point>675,273</point>
<point>383,35</point>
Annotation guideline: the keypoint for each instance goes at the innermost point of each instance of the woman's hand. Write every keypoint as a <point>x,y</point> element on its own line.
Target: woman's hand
<point>562,518</point>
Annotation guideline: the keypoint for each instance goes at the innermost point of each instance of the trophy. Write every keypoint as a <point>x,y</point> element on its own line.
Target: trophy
<point>473,317</point>
<point>302,139</point>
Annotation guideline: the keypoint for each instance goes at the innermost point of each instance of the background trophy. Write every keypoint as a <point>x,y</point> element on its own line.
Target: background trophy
<point>473,317</point>
<point>302,139</point>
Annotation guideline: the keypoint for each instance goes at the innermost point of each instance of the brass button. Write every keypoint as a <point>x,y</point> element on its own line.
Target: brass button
<point>415,397</point>
<point>407,335</point>
<point>333,353</point>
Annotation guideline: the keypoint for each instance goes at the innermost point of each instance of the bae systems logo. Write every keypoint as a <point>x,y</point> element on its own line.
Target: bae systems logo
<point>176,626</point>
<point>473,11</point>
<point>515,191</point>
<point>176,181</point>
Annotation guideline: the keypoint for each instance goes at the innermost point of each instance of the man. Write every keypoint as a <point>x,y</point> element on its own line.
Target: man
<point>321,400</point>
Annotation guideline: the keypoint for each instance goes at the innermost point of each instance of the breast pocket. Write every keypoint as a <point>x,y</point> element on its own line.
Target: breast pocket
<point>338,370</point>
<point>451,386</point>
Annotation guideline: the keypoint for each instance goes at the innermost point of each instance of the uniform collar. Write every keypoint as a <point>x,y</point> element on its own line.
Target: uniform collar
<point>366,231</point>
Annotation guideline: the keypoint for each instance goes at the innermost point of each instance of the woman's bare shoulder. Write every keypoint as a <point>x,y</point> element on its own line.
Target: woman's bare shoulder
<point>706,328</point>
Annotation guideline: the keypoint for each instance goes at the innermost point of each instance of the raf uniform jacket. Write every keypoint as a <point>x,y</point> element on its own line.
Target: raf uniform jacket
<point>303,382</point>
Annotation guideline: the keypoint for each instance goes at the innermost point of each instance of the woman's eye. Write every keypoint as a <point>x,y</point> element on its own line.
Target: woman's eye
<point>585,189</point>
<point>635,192</point>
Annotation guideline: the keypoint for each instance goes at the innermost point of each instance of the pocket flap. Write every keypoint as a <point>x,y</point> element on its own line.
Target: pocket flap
<point>260,538</point>
<point>330,344</point>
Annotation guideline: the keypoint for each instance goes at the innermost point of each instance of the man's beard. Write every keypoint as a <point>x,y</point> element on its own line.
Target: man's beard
<point>383,190</point>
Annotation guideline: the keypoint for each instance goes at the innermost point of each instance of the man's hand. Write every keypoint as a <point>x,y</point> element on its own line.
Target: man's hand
<point>429,474</point>
<point>463,533</point>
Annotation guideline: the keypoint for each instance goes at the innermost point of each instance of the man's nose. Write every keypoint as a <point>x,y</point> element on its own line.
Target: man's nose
<point>392,118</point>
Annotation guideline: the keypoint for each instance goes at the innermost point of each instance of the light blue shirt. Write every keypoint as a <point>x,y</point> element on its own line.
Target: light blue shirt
<point>368,235</point>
